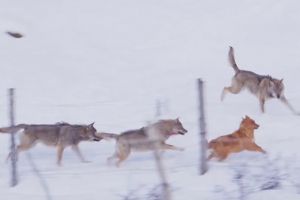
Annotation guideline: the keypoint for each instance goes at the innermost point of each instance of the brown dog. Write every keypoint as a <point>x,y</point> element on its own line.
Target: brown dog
<point>242,139</point>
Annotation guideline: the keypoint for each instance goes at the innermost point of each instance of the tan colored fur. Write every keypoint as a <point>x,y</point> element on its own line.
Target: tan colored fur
<point>241,139</point>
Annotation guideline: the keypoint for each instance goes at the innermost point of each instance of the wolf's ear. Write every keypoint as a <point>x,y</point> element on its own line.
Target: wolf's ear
<point>281,80</point>
<point>177,119</point>
<point>271,83</point>
<point>246,117</point>
<point>90,125</point>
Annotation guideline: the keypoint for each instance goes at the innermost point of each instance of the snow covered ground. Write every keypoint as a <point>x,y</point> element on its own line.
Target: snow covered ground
<point>109,61</point>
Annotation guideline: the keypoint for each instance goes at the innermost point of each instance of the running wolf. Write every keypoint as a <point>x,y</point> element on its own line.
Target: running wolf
<point>263,87</point>
<point>60,135</point>
<point>140,140</point>
<point>241,139</point>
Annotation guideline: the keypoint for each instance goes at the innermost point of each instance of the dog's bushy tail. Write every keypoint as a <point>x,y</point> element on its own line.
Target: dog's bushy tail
<point>232,60</point>
<point>13,129</point>
<point>211,144</point>
<point>107,136</point>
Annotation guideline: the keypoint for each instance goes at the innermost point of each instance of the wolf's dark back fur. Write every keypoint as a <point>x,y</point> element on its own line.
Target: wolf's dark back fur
<point>140,131</point>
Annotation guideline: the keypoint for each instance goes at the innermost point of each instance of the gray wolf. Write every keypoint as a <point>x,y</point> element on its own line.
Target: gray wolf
<point>60,135</point>
<point>239,140</point>
<point>263,87</point>
<point>140,140</point>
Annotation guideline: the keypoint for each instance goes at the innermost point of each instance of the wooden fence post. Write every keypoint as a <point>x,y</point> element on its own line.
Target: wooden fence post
<point>203,141</point>
<point>14,179</point>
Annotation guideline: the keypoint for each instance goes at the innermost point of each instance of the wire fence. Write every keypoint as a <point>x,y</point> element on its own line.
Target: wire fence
<point>44,175</point>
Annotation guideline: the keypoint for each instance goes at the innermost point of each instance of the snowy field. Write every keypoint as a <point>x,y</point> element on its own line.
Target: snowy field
<point>110,61</point>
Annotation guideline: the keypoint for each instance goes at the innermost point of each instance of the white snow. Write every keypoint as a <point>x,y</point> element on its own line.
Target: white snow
<point>109,61</point>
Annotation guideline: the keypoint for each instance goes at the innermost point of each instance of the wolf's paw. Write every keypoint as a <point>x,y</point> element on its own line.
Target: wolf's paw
<point>181,149</point>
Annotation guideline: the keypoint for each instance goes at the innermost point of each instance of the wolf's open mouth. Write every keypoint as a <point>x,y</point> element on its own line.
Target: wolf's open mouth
<point>97,140</point>
<point>181,132</point>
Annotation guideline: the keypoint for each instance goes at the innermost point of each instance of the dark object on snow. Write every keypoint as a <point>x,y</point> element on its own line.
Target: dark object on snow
<point>15,35</point>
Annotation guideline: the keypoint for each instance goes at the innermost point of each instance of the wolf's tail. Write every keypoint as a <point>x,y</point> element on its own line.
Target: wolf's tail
<point>13,129</point>
<point>107,136</point>
<point>211,144</point>
<point>232,60</point>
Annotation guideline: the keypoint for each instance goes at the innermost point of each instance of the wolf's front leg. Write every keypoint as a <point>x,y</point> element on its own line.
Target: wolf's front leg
<point>262,105</point>
<point>283,100</point>
<point>60,151</point>
<point>171,147</point>
<point>77,151</point>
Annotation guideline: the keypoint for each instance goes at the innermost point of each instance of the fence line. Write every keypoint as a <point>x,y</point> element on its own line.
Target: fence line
<point>194,165</point>
<point>40,177</point>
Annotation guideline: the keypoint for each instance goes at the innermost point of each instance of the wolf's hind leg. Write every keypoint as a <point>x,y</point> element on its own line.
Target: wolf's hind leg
<point>171,147</point>
<point>123,150</point>
<point>122,157</point>
<point>235,88</point>
<point>60,151</point>
<point>109,159</point>
<point>26,143</point>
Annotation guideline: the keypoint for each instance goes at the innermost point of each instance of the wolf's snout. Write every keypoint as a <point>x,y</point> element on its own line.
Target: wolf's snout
<point>256,127</point>
<point>278,96</point>
<point>95,138</point>
<point>182,132</point>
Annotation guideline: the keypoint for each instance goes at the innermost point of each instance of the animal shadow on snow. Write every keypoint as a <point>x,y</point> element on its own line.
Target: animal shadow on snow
<point>241,157</point>
<point>149,156</point>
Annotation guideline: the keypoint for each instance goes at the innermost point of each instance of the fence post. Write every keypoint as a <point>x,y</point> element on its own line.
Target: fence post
<point>157,155</point>
<point>203,141</point>
<point>14,180</point>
